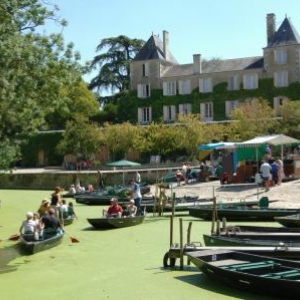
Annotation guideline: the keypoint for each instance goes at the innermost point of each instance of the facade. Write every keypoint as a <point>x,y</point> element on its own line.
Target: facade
<point>193,88</point>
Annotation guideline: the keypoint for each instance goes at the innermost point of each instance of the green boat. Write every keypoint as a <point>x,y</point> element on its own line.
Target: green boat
<point>32,247</point>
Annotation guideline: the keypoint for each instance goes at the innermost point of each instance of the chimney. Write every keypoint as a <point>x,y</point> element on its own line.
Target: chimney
<point>197,64</point>
<point>166,44</point>
<point>271,26</point>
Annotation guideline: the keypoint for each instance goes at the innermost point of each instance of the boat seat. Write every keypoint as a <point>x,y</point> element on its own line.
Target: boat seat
<point>251,266</point>
<point>284,274</point>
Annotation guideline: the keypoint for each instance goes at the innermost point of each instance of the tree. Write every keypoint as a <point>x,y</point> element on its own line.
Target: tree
<point>81,137</point>
<point>253,118</point>
<point>114,64</point>
<point>33,69</point>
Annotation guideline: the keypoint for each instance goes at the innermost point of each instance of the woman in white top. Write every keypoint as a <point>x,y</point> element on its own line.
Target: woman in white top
<point>28,228</point>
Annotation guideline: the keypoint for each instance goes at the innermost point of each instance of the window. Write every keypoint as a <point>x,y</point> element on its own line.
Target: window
<point>185,109</point>
<point>143,90</point>
<point>205,85</point>
<point>207,111</point>
<point>184,87</point>
<point>233,83</point>
<point>169,88</point>
<point>250,81</point>
<point>280,56</point>
<point>281,79</point>
<point>145,115</point>
<point>230,106</point>
<point>169,113</point>
<point>145,69</point>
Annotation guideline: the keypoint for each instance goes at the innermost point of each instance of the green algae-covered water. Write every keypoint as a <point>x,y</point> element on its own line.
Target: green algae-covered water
<point>113,264</point>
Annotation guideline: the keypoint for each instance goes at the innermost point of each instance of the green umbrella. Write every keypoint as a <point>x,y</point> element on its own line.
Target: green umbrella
<point>123,163</point>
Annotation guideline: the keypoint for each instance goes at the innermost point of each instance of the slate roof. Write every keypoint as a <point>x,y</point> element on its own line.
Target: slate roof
<point>153,49</point>
<point>214,66</point>
<point>285,35</point>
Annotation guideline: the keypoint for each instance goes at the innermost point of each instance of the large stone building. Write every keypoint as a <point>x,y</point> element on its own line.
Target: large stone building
<point>214,88</point>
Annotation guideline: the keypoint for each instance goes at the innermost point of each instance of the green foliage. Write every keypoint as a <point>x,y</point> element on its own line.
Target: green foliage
<point>114,64</point>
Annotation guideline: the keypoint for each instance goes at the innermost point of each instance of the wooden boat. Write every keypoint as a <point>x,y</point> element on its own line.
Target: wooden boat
<point>109,223</point>
<point>292,221</point>
<point>251,241</point>
<point>242,213</point>
<point>40,245</point>
<point>282,251</point>
<point>253,273</point>
<point>67,221</point>
<point>249,228</point>
<point>103,197</point>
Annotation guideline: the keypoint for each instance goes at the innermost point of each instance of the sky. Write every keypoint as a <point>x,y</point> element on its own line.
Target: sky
<point>221,29</point>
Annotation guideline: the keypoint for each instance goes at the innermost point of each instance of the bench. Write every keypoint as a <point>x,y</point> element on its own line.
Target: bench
<point>284,274</point>
<point>251,266</point>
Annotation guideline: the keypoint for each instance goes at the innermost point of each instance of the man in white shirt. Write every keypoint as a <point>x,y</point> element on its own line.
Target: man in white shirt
<point>265,170</point>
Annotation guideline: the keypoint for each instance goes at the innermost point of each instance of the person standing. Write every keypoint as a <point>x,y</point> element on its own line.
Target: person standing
<point>280,170</point>
<point>100,180</point>
<point>137,196</point>
<point>265,170</point>
<point>138,177</point>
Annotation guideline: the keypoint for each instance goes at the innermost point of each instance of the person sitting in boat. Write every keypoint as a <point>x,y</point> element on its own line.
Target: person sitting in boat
<point>28,228</point>
<point>131,209</point>
<point>36,219</point>
<point>72,189</point>
<point>44,207</point>
<point>115,210</point>
<point>51,224</point>
<point>71,211</point>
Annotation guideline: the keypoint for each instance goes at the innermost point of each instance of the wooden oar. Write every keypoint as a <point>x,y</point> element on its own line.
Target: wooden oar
<point>73,240</point>
<point>14,237</point>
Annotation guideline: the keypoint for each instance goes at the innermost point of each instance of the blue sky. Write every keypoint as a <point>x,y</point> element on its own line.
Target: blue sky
<point>215,28</point>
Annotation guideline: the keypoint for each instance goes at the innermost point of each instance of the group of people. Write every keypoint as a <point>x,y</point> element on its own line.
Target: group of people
<point>272,172</point>
<point>133,208</point>
<point>48,220</point>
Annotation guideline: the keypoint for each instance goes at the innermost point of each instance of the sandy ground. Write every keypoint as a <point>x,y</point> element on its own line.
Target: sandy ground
<point>287,193</point>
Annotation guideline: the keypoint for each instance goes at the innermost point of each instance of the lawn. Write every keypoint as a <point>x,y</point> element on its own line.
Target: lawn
<point>113,264</point>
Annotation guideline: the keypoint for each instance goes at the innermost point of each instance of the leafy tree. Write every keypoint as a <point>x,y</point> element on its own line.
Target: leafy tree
<point>81,137</point>
<point>114,64</point>
<point>253,118</point>
<point>33,69</point>
<point>119,138</point>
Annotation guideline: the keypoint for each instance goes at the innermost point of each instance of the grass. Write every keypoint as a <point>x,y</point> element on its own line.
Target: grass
<point>113,264</point>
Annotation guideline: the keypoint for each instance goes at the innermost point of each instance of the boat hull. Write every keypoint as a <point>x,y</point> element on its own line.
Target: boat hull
<point>110,223</point>
<point>292,221</point>
<point>242,213</point>
<point>253,273</point>
<point>41,245</point>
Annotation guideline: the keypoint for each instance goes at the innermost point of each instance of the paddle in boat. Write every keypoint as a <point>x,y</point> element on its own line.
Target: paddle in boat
<point>253,273</point>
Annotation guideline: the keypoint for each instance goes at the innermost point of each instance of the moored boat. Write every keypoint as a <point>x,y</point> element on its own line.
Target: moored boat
<point>253,273</point>
<point>32,247</point>
<point>242,213</point>
<point>109,223</point>
<point>292,221</point>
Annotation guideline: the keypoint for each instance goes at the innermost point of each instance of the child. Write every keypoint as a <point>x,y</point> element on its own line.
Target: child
<point>71,211</point>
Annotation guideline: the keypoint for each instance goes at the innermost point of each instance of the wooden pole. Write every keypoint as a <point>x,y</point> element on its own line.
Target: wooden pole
<point>171,231</point>
<point>181,244</point>
<point>189,239</point>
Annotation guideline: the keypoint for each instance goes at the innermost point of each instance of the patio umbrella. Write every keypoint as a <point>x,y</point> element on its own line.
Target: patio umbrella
<point>123,163</point>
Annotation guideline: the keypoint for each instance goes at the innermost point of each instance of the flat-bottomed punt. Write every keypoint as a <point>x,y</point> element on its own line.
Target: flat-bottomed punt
<point>109,223</point>
<point>253,273</point>
<point>32,247</point>
<point>292,221</point>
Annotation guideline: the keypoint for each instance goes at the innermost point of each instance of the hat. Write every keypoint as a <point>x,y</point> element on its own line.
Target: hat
<point>45,201</point>
<point>29,214</point>
<point>131,201</point>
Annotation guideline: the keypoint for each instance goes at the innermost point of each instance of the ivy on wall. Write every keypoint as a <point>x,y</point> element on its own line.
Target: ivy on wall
<point>128,106</point>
